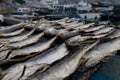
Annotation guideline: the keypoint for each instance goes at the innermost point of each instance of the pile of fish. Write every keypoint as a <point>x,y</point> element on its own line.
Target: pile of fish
<point>55,50</point>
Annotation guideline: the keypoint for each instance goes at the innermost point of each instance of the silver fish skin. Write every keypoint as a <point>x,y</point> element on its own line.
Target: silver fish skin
<point>19,38</point>
<point>67,24</point>
<point>75,25</point>
<point>101,51</point>
<point>65,67</point>
<point>49,58</point>
<point>32,49</point>
<point>41,27</point>
<point>37,63</point>
<point>23,43</point>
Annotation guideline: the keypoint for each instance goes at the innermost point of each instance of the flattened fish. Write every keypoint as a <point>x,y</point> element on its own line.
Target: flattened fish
<point>103,30</point>
<point>91,29</point>
<point>12,33</point>
<point>19,38</point>
<point>48,58</point>
<point>12,28</point>
<point>75,25</point>
<point>37,48</point>
<point>28,41</point>
<point>65,67</point>
<point>77,40</point>
<point>39,62</point>
<point>85,26</point>
<point>101,51</point>
<point>67,24</point>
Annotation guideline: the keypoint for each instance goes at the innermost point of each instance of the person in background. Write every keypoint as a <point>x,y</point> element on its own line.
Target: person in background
<point>1,19</point>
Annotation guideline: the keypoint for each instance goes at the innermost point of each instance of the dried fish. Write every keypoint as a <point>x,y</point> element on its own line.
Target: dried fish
<point>91,29</point>
<point>37,48</point>
<point>101,51</point>
<point>40,62</point>
<point>20,38</point>
<point>67,24</point>
<point>103,30</point>
<point>48,58</point>
<point>12,28</point>
<point>41,27</point>
<point>85,26</point>
<point>65,67</point>
<point>77,40</point>
<point>28,41</point>
<point>75,25</point>
<point>12,33</point>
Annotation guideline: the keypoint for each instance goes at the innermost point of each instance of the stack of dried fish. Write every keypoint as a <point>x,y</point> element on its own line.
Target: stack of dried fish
<point>53,50</point>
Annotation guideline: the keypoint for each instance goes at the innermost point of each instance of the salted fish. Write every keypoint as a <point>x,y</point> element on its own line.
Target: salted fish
<point>12,28</point>
<point>75,25</point>
<point>103,31</point>
<point>41,27</point>
<point>101,51</point>
<point>28,41</point>
<point>91,29</point>
<point>20,38</point>
<point>12,33</point>
<point>85,26</point>
<point>67,24</point>
<point>77,40</point>
<point>65,67</point>
<point>48,58</point>
<point>39,62</point>
<point>37,48</point>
